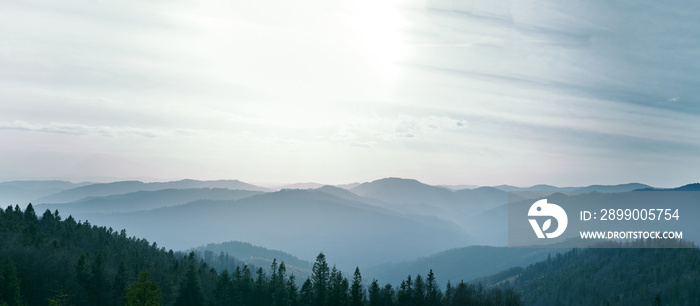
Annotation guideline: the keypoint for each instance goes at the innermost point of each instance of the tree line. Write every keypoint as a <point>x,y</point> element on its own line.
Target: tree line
<point>55,261</point>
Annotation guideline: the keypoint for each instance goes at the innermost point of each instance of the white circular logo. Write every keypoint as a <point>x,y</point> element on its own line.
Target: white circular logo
<point>543,209</point>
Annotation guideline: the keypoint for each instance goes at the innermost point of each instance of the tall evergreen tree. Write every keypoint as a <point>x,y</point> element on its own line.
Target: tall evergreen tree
<point>357,293</point>
<point>119,284</point>
<point>261,296</point>
<point>418,291</point>
<point>191,293</point>
<point>405,294</point>
<point>9,284</point>
<point>223,292</point>
<point>433,296</point>
<point>338,289</point>
<point>292,292</point>
<point>99,285</point>
<point>143,292</point>
<point>319,278</point>
<point>388,295</point>
<point>245,286</point>
<point>374,293</point>
<point>306,294</point>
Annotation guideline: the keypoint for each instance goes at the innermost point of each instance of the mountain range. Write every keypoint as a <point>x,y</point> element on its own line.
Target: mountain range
<point>387,227</point>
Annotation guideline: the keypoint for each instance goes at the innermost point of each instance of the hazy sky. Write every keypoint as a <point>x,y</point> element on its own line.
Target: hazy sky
<point>448,92</point>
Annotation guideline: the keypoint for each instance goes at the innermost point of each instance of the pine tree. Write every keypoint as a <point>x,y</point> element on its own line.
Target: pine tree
<point>405,294</point>
<point>418,291</point>
<point>374,294</point>
<point>292,292</point>
<point>191,293</point>
<point>9,284</point>
<point>339,288</point>
<point>306,294</point>
<point>222,292</point>
<point>433,296</point>
<point>99,286</point>
<point>319,278</point>
<point>357,294</point>
<point>388,295</point>
<point>449,295</point>
<point>261,296</point>
<point>245,286</point>
<point>30,214</point>
<point>280,293</point>
<point>143,292</point>
<point>119,284</point>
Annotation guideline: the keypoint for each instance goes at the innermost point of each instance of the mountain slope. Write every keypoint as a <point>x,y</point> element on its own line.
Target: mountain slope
<point>303,222</point>
<point>404,191</point>
<point>620,187</point>
<point>76,263</point>
<point>145,200</point>
<point>256,256</point>
<point>23,192</point>
<point>455,265</point>
<point>688,187</point>
<point>616,276</point>
<point>105,189</point>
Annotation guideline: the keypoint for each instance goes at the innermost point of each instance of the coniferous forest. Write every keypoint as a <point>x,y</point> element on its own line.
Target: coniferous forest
<point>48,260</point>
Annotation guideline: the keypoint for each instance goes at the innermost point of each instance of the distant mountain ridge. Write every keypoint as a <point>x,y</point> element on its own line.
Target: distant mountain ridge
<point>688,187</point>
<point>23,192</point>
<point>122,187</point>
<point>351,232</point>
<point>257,256</point>
<point>145,200</point>
<point>600,188</point>
<point>467,263</point>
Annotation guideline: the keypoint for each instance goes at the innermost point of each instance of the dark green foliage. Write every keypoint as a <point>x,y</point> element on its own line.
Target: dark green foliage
<point>64,262</point>
<point>320,279</point>
<point>357,294</point>
<point>191,292</point>
<point>618,276</point>
<point>9,284</point>
<point>143,292</point>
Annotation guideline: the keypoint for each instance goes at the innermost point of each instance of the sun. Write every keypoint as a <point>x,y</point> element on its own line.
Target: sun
<point>375,27</point>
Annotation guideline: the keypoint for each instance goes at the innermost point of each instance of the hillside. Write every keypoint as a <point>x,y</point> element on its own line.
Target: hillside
<point>302,222</point>
<point>466,263</point>
<point>106,189</point>
<point>609,276</point>
<point>145,200</point>
<point>253,255</point>
<point>23,192</point>
<point>77,263</point>
<point>53,261</point>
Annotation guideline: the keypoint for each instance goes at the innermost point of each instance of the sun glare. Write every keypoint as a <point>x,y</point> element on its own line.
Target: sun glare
<point>376,27</point>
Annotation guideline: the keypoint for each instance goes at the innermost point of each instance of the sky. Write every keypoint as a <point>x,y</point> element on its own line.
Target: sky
<point>568,93</point>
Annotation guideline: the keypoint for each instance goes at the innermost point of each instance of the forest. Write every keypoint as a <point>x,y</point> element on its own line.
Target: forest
<point>642,272</point>
<point>48,260</point>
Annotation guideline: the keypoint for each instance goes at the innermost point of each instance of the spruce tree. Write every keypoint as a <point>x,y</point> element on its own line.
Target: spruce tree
<point>191,293</point>
<point>319,278</point>
<point>357,294</point>
<point>374,294</point>
<point>307,294</point>
<point>433,296</point>
<point>143,292</point>
<point>9,284</point>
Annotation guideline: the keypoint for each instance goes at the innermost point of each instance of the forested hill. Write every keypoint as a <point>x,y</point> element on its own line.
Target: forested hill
<point>610,276</point>
<point>52,261</point>
<point>64,262</point>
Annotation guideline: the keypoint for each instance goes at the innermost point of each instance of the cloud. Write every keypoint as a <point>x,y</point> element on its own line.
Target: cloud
<point>90,130</point>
